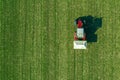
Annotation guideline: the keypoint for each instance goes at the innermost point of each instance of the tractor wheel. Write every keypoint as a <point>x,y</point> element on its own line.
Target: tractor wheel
<point>75,37</point>
<point>84,38</point>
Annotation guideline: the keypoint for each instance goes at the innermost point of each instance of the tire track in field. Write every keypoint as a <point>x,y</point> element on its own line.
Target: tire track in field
<point>27,52</point>
<point>54,40</point>
<point>57,42</point>
<point>75,51</point>
<point>33,22</point>
<point>22,34</point>
<point>62,7</point>
<point>41,50</point>
<point>14,37</point>
<point>70,28</point>
<point>24,20</point>
<point>45,54</point>
<point>51,33</point>
<point>33,31</point>
<point>70,52</point>
<point>7,42</point>
<point>37,42</point>
<point>1,41</point>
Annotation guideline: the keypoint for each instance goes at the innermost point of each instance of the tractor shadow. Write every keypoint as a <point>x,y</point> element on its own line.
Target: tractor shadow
<point>92,24</point>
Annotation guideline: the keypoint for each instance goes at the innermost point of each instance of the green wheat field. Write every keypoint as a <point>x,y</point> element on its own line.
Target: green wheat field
<point>36,40</point>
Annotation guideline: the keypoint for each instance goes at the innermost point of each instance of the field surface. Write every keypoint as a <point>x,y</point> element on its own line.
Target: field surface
<point>36,40</point>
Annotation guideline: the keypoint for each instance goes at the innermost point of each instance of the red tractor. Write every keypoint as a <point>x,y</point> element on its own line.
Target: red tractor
<point>79,35</point>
